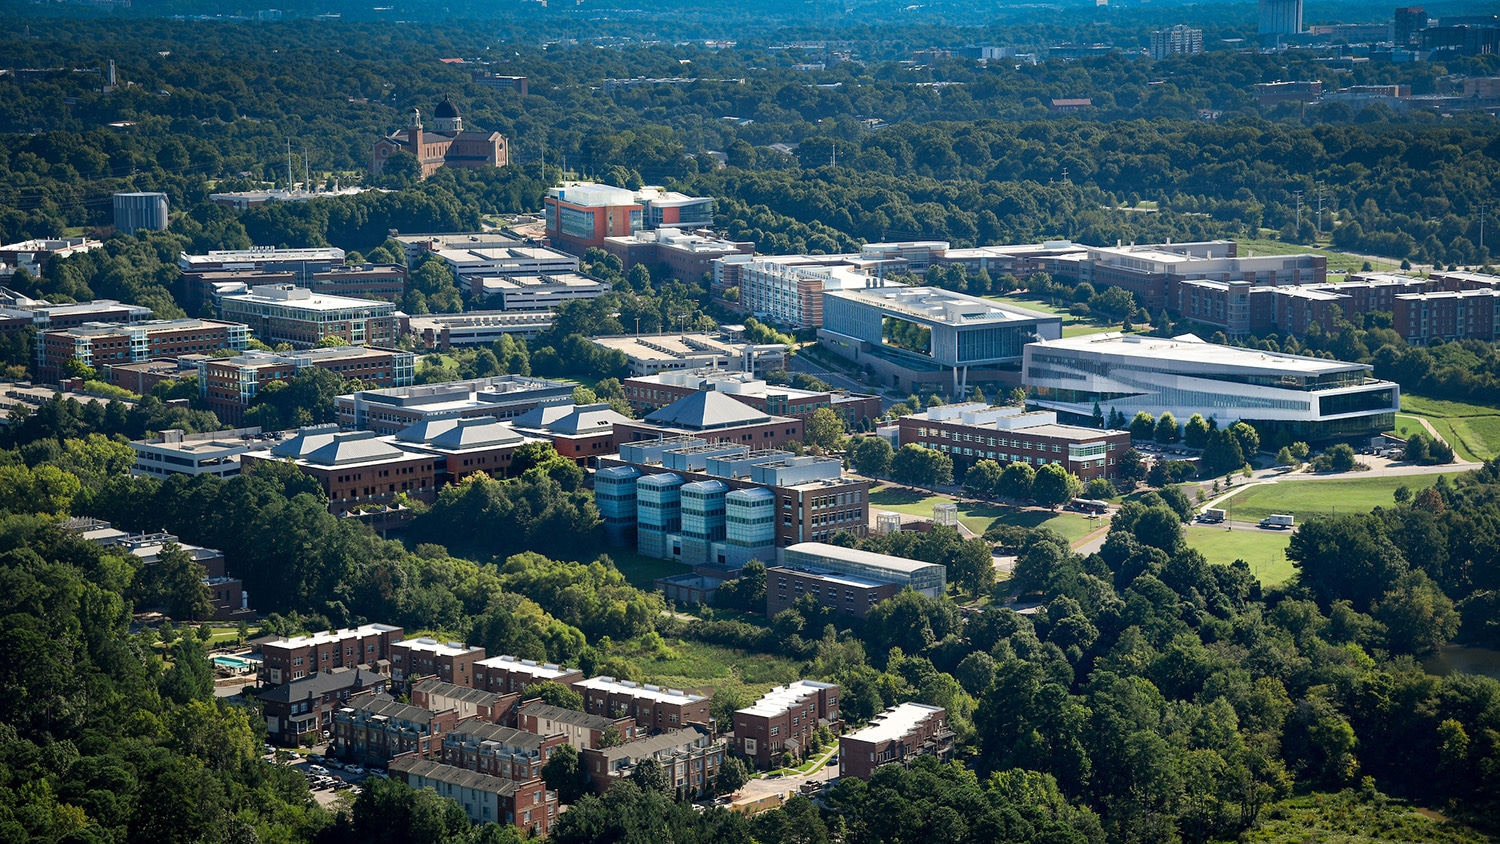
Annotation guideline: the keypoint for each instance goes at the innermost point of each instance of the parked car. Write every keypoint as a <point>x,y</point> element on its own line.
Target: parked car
<point>354,769</point>
<point>317,769</point>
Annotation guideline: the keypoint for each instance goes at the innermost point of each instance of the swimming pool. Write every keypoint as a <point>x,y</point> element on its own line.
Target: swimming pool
<point>232,662</point>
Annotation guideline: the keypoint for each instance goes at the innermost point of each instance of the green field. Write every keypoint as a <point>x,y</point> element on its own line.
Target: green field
<point>1472,429</point>
<point>978,516</point>
<point>701,667</point>
<point>1265,551</point>
<point>642,572</point>
<point>1338,262</point>
<point>1304,499</point>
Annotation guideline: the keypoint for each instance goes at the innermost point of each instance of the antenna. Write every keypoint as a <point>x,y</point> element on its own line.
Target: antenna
<point>288,164</point>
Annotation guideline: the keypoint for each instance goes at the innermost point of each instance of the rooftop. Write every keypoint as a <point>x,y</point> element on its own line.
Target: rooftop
<point>482,732</point>
<point>669,741</point>
<point>516,665</point>
<point>671,347</point>
<point>416,766</point>
<point>895,722</point>
<point>782,698</point>
<point>257,254</point>
<point>327,447</point>
<point>1189,347</point>
<point>434,686</point>
<point>537,709</point>
<point>319,684</point>
<point>150,326</point>
<point>436,648</point>
<point>571,420</point>
<point>826,551</point>
<point>328,637</point>
<point>458,395</point>
<point>707,410</point>
<point>388,707</point>
<point>541,283</point>
<point>643,691</point>
<point>257,357</point>
<point>937,305</point>
<point>304,298</point>
<point>455,435</point>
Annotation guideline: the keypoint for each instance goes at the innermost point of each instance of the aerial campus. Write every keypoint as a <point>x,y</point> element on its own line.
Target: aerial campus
<point>877,423</point>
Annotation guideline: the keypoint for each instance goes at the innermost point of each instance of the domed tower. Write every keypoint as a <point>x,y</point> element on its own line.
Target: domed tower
<point>445,117</point>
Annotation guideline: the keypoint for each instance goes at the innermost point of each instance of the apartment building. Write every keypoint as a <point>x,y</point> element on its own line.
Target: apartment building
<point>303,709</point>
<point>654,708</point>
<point>788,289</point>
<point>506,674</point>
<point>896,736</point>
<point>287,660</point>
<point>690,757</point>
<point>1448,315</point>
<point>784,720</point>
<point>373,729</point>
<point>100,344</point>
<point>283,313</point>
<point>498,751</point>
<point>491,707</point>
<point>451,662</point>
<point>528,806</point>
<point>392,410</point>
<point>229,385</point>
<point>976,431</point>
<point>580,729</point>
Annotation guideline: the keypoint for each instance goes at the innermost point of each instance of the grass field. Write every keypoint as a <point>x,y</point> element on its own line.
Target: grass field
<point>979,516</point>
<point>1350,818</point>
<point>1304,499</point>
<point>1072,326</point>
<point>641,571</point>
<point>1338,262</point>
<point>702,667</point>
<point>1265,551</point>
<point>1472,429</point>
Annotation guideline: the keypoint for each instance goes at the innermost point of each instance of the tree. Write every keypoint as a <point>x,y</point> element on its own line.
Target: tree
<point>1346,557</point>
<point>1132,468</point>
<point>1054,485</point>
<point>1247,437</point>
<point>824,429</point>
<point>1015,481</point>
<point>983,478</point>
<point>872,456</point>
<point>733,774</point>
<point>1100,489</point>
<point>1166,431</point>
<point>1195,432</point>
<point>564,774</point>
<point>1418,617</point>
<point>1284,457</point>
<point>972,567</point>
<point>914,465</point>
<point>1143,426</point>
<point>1221,454</point>
<point>649,776</point>
<point>180,586</point>
<point>390,812</point>
<point>1116,420</point>
<point>554,694</point>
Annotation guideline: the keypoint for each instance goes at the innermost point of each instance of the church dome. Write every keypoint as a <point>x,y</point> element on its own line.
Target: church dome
<point>445,110</point>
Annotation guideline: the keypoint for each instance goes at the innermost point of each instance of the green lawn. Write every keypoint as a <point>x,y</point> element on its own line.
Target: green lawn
<point>978,516</point>
<point>641,571</point>
<point>1265,551</point>
<point>1472,429</point>
<point>1338,262</point>
<point>689,665</point>
<point>1350,818</point>
<point>1423,406</point>
<point>1304,499</point>
<point>1406,425</point>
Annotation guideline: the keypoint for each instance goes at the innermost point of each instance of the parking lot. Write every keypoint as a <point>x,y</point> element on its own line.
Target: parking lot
<point>326,777</point>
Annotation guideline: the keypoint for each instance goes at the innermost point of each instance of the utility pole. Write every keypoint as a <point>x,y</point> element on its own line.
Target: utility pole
<point>1319,227</point>
<point>1298,195</point>
<point>1483,212</point>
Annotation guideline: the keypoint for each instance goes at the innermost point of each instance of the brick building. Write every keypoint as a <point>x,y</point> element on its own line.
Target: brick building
<point>286,660</point>
<point>584,215</point>
<point>506,674</point>
<point>99,344</point>
<point>229,385</point>
<point>363,281</point>
<point>492,707</point>
<point>355,468</point>
<point>647,393</point>
<point>581,729</point>
<point>975,431</point>
<point>499,751</point>
<point>391,411</point>
<point>582,433</point>
<point>304,709</point>
<point>460,447</point>
<point>847,580</point>
<point>690,757</point>
<point>447,144</point>
<point>784,720</point>
<point>716,418</point>
<point>528,806</point>
<point>1449,315</point>
<point>895,736</point>
<point>654,708</point>
<point>451,662</point>
<point>374,729</point>
<point>673,253</point>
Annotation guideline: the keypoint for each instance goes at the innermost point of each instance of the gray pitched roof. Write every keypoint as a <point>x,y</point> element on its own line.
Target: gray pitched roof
<point>434,686</point>
<point>706,410</point>
<point>415,766</point>
<point>478,432</point>
<point>425,430</point>
<point>354,447</point>
<point>542,416</point>
<point>588,419</point>
<point>567,716</point>
<point>668,742</point>
<point>483,731</point>
<point>306,441</point>
<point>320,684</point>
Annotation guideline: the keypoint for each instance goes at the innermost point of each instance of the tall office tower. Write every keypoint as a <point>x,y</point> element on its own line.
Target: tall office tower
<point>1178,39</point>
<point>1280,17</point>
<point>1409,21</point>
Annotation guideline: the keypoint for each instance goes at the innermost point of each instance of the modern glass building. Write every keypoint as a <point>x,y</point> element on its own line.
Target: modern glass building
<point>658,509</point>
<point>930,579</point>
<point>1303,398</point>
<point>614,495</point>
<point>702,505</point>
<point>750,526</point>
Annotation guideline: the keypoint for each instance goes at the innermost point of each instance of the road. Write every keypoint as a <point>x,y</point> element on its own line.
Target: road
<point>800,363</point>
<point>789,785</point>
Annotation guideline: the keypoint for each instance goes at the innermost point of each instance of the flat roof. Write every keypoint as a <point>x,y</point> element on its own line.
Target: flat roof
<point>304,298</point>
<point>938,305</point>
<point>662,347</point>
<point>855,555</point>
<point>1191,348</point>
<point>436,648</point>
<point>539,670</point>
<point>328,637</point>
<point>644,691</point>
<point>895,722</point>
<point>150,326</point>
<point>782,698</point>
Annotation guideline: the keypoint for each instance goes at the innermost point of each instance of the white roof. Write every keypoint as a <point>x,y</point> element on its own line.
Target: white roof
<point>1191,348</point>
<point>825,551</point>
<point>643,691</point>
<point>437,648</point>
<point>302,297</point>
<point>938,305</point>
<point>516,665</point>
<point>328,637</point>
<point>782,698</point>
<point>895,722</point>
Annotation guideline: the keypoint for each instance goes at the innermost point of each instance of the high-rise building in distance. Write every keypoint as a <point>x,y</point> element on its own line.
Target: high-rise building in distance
<point>1280,17</point>
<point>1178,39</point>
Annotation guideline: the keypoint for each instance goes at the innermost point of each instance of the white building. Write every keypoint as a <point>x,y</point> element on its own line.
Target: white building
<point>651,353</point>
<point>535,292</point>
<point>214,453</point>
<point>469,263</point>
<point>788,289</point>
<point>1308,398</point>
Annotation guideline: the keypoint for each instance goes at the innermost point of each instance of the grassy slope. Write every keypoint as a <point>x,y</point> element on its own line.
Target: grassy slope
<point>1265,551</point>
<point>1304,499</point>
<point>1348,818</point>
<point>1338,262</point>
<point>704,668</point>
<point>978,517</point>
<point>642,572</point>
<point>1472,429</point>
